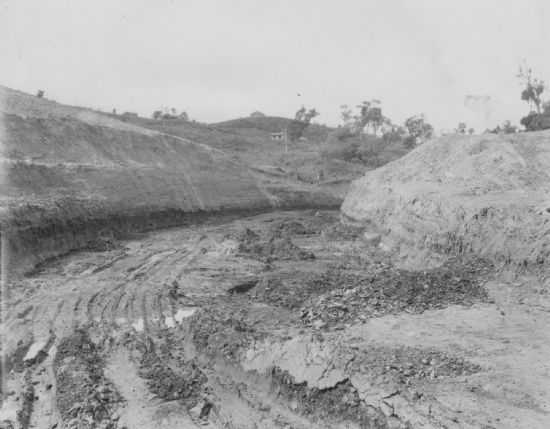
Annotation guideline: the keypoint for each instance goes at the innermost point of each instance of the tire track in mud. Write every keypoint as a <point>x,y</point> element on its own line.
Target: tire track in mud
<point>153,284</point>
<point>75,311</point>
<point>59,316</point>
<point>110,302</point>
<point>104,304</point>
<point>90,305</point>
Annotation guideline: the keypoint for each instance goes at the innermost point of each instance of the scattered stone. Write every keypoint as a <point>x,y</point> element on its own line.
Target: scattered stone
<point>35,349</point>
<point>319,324</point>
<point>201,410</point>
<point>372,238</point>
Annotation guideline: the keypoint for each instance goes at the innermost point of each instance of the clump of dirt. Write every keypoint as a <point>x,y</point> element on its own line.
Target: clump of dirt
<point>243,286</point>
<point>342,400</point>
<point>361,295</point>
<point>218,331</point>
<point>290,289</point>
<point>168,375</point>
<point>291,227</point>
<point>246,237</point>
<point>85,398</point>
<point>103,243</point>
<point>282,248</point>
<point>277,246</point>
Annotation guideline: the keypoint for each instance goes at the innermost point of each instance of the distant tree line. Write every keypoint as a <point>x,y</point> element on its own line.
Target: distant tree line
<point>369,120</point>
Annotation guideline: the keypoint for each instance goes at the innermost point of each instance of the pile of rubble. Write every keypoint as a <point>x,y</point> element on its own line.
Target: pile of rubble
<point>355,296</point>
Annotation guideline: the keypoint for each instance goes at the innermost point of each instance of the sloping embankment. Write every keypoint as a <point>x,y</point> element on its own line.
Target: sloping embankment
<point>484,195</point>
<point>71,175</point>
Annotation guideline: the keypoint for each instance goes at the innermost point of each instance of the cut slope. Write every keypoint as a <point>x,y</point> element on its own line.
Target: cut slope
<point>71,174</point>
<point>486,195</point>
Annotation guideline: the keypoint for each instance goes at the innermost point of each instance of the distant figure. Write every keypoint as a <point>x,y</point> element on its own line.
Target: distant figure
<point>40,93</point>
<point>114,111</point>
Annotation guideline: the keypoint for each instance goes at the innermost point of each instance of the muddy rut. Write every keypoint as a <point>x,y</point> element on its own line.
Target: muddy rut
<point>285,320</point>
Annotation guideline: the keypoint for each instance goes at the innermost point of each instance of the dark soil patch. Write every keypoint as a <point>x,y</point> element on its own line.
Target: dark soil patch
<point>168,375</point>
<point>243,286</point>
<point>28,398</point>
<point>221,332</point>
<point>103,243</point>
<point>362,295</point>
<point>84,397</point>
<point>339,403</point>
<point>290,289</point>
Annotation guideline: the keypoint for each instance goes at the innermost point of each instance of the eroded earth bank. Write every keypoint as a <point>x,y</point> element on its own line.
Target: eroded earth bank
<point>281,320</point>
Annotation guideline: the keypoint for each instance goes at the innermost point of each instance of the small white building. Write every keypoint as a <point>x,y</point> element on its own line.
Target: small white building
<point>280,136</point>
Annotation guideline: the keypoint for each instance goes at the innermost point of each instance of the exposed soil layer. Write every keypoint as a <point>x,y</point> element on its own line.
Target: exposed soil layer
<point>168,375</point>
<point>324,405</point>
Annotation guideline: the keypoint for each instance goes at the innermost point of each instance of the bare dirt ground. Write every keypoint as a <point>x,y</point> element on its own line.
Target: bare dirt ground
<point>282,320</point>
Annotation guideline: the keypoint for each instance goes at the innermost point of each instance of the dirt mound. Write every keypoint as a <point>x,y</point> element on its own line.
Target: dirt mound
<point>169,378</point>
<point>485,195</point>
<point>276,246</point>
<point>72,174</point>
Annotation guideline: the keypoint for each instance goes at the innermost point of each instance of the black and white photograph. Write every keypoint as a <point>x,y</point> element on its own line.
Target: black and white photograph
<point>252,214</point>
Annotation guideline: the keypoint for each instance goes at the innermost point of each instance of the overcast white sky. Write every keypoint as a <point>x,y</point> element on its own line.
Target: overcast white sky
<point>223,59</point>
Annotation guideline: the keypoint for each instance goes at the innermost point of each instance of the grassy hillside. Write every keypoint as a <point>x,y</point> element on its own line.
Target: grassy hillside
<point>248,140</point>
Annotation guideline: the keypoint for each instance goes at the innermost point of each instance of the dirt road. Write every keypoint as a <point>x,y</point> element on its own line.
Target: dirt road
<point>284,320</point>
